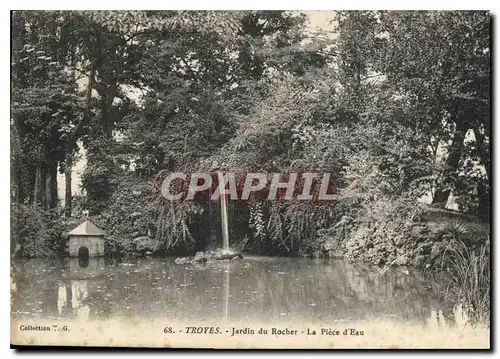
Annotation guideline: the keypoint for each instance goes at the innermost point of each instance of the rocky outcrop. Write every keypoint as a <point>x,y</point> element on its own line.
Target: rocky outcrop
<point>419,245</point>
<point>144,244</point>
<point>182,260</point>
<point>379,246</point>
<point>204,257</point>
<point>225,256</point>
<point>200,257</point>
<point>329,243</point>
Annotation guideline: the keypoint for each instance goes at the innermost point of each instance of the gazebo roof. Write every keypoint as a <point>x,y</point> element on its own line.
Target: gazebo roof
<point>87,228</point>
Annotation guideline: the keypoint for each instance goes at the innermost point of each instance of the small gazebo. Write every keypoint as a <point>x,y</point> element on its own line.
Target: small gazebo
<point>86,240</point>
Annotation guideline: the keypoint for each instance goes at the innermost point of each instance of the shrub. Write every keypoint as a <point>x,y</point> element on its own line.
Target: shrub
<point>384,231</point>
<point>468,277</point>
<point>36,231</point>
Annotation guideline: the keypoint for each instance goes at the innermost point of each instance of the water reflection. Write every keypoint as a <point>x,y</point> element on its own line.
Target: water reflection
<point>62,298</point>
<point>73,293</point>
<point>226,291</point>
<point>271,289</point>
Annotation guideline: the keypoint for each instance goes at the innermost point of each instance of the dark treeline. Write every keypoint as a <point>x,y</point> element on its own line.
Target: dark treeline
<point>395,104</point>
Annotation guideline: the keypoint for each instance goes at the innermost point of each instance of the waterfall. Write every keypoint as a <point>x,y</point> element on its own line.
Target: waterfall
<point>223,210</point>
<point>226,293</point>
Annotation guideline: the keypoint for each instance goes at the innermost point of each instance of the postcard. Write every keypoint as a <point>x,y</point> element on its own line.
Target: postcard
<point>250,179</point>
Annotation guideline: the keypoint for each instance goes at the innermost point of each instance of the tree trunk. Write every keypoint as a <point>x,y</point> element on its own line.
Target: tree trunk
<point>484,154</point>
<point>455,153</point>
<point>16,152</point>
<point>37,183</point>
<point>51,185</point>
<point>39,197</point>
<point>68,196</point>
<point>17,183</point>
<point>48,192</point>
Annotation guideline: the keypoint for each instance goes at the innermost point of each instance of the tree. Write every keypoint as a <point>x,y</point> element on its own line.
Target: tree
<point>440,61</point>
<point>45,104</point>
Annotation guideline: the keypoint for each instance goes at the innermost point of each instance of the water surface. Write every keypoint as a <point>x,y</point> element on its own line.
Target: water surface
<point>258,288</point>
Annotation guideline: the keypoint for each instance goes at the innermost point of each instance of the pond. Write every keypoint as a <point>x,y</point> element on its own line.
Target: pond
<point>258,288</point>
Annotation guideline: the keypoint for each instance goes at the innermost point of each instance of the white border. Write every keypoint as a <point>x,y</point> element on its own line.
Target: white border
<point>191,4</point>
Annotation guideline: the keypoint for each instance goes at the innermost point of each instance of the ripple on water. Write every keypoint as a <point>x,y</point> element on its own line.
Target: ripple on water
<point>267,288</point>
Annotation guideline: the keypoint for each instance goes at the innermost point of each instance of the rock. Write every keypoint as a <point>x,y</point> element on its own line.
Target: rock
<point>401,260</point>
<point>199,260</point>
<point>223,256</point>
<point>200,257</point>
<point>144,244</point>
<point>332,248</point>
<point>330,243</point>
<point>418,261</point>
<point>181,260</point>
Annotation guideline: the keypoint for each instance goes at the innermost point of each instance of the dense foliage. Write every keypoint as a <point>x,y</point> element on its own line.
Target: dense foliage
<point>395,104</point>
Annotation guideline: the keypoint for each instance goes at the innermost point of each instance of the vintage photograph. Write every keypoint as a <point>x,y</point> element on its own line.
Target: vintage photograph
<point>250,179</point>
